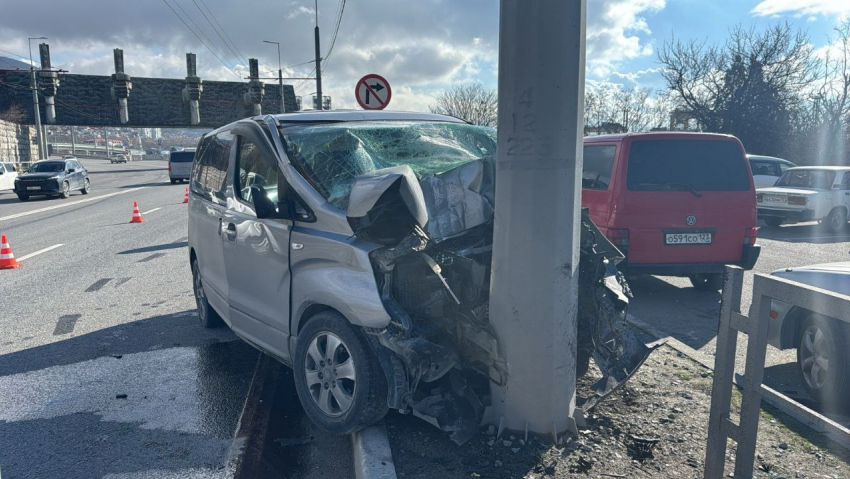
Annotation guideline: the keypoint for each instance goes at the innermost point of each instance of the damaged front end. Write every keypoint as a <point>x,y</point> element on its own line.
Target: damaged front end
<point>439,353</point>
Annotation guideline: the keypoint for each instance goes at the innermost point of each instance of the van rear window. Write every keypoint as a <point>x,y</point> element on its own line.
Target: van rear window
<point>182,156</point>
<point>673,165</point>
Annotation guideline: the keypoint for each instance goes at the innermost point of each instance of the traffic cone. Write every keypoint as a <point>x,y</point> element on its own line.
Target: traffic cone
<point>7,259</point>
<point>186,197</point>
<point>137,216</point>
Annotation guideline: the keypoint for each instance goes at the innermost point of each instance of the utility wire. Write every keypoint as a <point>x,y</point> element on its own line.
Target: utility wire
<point>336,31</point>
<point>224,32</point>
<point>201,30</point>
<point>200,40</point>
<point>15,55</point>
<point>238,58</point>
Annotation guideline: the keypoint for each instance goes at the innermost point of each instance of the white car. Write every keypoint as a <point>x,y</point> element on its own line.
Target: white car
<point>767,169</point>
<point>811,193</point>
<point>8,173</point>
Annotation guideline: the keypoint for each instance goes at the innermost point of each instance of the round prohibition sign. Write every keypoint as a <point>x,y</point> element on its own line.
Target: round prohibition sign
<point>373,92</point>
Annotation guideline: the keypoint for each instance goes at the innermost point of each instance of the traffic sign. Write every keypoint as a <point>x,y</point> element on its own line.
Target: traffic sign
<point>373,92</point>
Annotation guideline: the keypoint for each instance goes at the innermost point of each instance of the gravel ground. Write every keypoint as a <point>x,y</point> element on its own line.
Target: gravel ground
<point>667,400</point>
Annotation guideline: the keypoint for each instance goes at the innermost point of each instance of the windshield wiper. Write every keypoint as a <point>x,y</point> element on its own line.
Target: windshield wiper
<point>680,186</point>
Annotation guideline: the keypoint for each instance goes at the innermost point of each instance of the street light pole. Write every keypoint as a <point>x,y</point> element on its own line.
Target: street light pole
<point>42,147</point>
<point>318,63</point>
<point>279,76</point>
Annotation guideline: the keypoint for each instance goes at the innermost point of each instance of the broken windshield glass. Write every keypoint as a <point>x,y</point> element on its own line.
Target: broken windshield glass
<point>332,155</point>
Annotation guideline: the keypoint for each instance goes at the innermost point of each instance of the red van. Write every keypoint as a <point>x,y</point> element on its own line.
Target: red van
<point>676,204</point>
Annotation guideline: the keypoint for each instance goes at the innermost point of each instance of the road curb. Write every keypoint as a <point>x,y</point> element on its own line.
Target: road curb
<point>812,419</point>
<point>244,457</point>
<point>373,457</point>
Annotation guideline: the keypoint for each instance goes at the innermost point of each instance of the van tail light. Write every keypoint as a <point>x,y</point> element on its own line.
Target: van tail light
<point>750,236</point>
<point>619,237</point>
<point>169,166</point>
<point>797,200</point>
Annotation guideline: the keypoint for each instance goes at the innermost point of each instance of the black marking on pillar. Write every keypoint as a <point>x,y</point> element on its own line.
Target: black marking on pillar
<point>44,53</point>
<point>118,56</point>
<point>65,324</point>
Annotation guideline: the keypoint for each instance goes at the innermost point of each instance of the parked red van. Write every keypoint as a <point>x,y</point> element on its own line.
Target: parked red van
<point>677,204</point>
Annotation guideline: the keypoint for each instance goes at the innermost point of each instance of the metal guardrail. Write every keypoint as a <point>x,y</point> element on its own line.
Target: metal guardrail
<point>721,426</point>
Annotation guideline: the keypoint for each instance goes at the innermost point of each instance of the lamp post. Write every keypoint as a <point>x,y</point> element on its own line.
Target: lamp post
<point>279,75</point>
<point>42,147</point>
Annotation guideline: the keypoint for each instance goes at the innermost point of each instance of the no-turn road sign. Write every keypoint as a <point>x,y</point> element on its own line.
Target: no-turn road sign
<point>373,92</point>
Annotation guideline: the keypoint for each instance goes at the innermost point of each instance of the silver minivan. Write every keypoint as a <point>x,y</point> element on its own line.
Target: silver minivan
<point>356,247</point>
<point>180,165</point>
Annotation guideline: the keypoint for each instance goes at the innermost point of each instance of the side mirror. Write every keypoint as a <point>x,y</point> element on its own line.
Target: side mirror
<point>71,170</point>
<point>262,204</point>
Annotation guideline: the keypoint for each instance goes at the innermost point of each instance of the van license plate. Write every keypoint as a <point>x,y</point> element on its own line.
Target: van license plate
<point>687,238</point>
<point>33,187</point>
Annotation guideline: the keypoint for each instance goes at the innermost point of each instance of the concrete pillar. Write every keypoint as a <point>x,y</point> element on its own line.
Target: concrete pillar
<point>73,140</point>
<point>121,86</point>
<point>254,95</point>
<point>193,89</point>
<point>49,83</point>
<point>533,301</point>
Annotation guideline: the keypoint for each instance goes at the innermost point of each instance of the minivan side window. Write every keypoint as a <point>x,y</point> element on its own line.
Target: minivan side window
<point>598,163</point>
<point>253,168</point>
<point>209,171</point>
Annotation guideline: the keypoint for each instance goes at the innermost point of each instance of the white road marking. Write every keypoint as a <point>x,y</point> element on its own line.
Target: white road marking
<point>64,205</point>
<point>45,250</point>
<point>151,211</point>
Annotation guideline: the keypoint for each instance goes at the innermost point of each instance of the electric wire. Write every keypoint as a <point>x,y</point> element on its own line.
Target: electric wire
<point>199,38</point>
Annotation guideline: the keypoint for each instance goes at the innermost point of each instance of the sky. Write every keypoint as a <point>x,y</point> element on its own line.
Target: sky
<point>422,47</point>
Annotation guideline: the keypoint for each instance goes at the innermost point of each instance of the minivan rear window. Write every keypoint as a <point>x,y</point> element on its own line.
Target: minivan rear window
<point>673,165</point>
<point>182,156</point>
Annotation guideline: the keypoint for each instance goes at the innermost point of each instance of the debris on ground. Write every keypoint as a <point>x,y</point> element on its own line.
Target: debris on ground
<point>663,410</point>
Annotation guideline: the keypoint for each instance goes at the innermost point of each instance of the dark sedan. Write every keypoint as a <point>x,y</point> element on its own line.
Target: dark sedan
<point>53,178</point>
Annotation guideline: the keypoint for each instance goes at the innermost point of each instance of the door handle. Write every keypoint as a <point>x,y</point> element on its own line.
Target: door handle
<point>219,226</point>
<point>231,232</point>
<point>297,246</point>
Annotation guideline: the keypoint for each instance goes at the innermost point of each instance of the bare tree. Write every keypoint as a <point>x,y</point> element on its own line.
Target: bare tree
<point>471,102</point>
<point>749,86</point>
<point>14,114</point>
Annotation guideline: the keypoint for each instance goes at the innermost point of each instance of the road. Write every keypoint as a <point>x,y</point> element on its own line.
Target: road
<point>672,306</point>
<point>103,366</point>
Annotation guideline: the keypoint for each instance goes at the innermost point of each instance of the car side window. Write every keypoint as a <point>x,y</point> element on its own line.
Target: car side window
<point>598,163</point>
<point>254,168</point>
<point>765,168</point>
<point>784,166</point>
<point>209,171</point>
<point>845,181</point>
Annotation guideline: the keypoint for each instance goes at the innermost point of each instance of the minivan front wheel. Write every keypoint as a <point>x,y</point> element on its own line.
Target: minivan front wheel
<point>337,375</point>
<point>209,318</point>
<point>707,281</point>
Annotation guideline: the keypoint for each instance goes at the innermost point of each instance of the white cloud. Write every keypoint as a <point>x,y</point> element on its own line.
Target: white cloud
<point>773,8</point>
<point>613,28</point>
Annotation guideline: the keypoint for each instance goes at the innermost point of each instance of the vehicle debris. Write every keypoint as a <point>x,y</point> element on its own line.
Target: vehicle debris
<point>439,353</point>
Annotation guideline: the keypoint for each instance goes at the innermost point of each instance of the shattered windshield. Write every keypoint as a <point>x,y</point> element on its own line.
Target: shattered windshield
<point>332,155</point>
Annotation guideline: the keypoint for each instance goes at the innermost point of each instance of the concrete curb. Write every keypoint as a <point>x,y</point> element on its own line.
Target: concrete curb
<point>244,457</point>
<point>814,420</point>
<point>373,457</point>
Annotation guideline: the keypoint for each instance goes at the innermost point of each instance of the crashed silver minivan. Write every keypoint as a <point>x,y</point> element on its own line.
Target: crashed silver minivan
<point>356,247</point>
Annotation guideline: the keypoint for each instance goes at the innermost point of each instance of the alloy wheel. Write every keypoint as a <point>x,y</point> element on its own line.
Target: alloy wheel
<point>814,357</point>
<point>330,374</point>
<point>200,296</point>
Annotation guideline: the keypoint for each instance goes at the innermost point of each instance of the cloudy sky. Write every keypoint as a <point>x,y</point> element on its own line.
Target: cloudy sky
<point>420,46</point>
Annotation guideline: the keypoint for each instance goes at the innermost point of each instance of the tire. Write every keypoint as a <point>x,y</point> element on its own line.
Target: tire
<point>66,190</point>
<point>773,221</point>
<point>362,392</point>
<point>86,187</point>
<point>837,220</point>
<point>24,197</point>
<point>707,281</point>
<point>823,361</point>
<point>209,318</point>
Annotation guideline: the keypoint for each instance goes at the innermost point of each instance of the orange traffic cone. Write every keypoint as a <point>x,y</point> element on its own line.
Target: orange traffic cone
<point>137,216</point>
<point>186,197</point>
<point>7,259</point>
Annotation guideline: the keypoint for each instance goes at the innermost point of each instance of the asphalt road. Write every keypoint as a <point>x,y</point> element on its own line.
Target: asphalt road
<point>672,306</point>
<point>104,369</point>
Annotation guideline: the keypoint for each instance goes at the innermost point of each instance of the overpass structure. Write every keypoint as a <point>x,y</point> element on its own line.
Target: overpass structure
<point>124,100</point>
